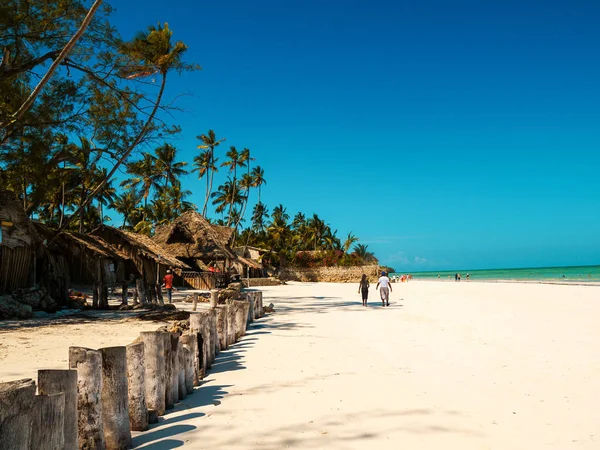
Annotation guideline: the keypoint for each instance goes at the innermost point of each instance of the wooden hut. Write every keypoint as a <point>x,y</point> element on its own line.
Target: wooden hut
<point>203,246</point>
<point>18,243</point>
<point>250,261</point>
<point>89,261</point>
<point>143,256</point>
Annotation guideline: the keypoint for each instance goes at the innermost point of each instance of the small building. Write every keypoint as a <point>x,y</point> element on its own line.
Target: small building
<point>18,245</point>
<point>250,263</point>
<point>143,258</point>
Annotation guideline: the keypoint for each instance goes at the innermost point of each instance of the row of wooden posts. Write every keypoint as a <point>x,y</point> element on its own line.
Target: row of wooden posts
<point>109,392</point>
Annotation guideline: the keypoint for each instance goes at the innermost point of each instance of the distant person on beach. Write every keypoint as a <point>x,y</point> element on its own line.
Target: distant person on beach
<point>363,288</point>
<point>168,283</point>
<point>455,277</point>
<point>385,289</point>
<point>468,277</point>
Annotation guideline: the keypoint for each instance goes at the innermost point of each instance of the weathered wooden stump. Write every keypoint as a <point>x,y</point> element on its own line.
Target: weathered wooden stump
<point>168,357</point>
<point>57,381</point>
<point>174,367</point>
<point>90,424</point>
<point>189,369</point>
<point>115,398</point>
<point>181,367</point>
<point>48,425</point>
<point>214,337</point>
<point>136,387</point>
<point>251,300</point>
<point>154,370</point>
<point>222,326</point>
<point>231,312</point>
<point>241,317</point>
<point>198,324</point>
<point>191,340</point>
<point>17,400</point>
<point>261,312</point>
<point>214,298</point>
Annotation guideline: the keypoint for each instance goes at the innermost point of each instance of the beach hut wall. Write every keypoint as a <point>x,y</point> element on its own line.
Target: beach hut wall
<point>18,241</point>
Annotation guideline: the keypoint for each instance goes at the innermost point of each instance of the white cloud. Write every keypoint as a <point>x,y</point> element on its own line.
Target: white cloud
<point>419,260</point>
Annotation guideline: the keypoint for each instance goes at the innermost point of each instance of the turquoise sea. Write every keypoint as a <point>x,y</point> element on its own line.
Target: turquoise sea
<point>580,274</point>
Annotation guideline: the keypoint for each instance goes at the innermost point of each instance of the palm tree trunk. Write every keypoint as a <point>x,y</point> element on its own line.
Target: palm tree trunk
<point>125,155</point>
<point>232,198</point>
<point>212,172</point>
<point>207,195</point>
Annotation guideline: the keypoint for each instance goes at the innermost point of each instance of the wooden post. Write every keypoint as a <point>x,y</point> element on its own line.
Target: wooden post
<point>195,301</point>
<point>124,299</point>
<point>251,301</point>
<point>189,369</point>
<point>197,326</point>
<point>140,290</point>
<point>95,296</point>
<point>168,356</point>
<point>147,292</point>
<point>159,295</point>
<point>214,298</point>
<point>154,371</point>
<point>48,425</point>
<point>191,340</point>
<point>260,304</point>
<point>136,387</point>
<point>241,315</point>
<point>17,400</point>
<point>57,381</point>
<point>90,424</point>
<point>214,336</point>
<point>115,398</point>
<point>181,367</point>
<point>231,309</point>
<point>174,367</point>
<point>222,326</point>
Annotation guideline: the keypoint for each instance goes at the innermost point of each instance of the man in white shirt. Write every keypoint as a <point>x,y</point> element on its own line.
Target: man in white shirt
<point>385,289</point>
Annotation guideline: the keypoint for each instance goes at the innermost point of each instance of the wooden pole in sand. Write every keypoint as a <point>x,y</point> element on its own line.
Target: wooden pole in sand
<point>181,370</point>
<point>214,337</point>
<point>191,340</point>
<point>231,311</point>
<point>57,381</point>
<point>48,425</point>
<point>17,399</point>
<point>251,300</point>
<point>168,356</point>
<point>196,326</point>
<point>222,326</point>
<point>241,317</point>
<point>90,424</point>
<point>115,398</point>
<point>136,387</point>
<point>189,369</point>
<point>174,367</point>
<point>154,372</point>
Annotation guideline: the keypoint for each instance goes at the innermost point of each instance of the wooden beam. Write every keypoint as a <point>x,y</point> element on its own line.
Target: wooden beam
<point>7,224</point>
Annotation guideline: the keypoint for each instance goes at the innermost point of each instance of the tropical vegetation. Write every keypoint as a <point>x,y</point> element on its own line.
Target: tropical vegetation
<point>94,137</point>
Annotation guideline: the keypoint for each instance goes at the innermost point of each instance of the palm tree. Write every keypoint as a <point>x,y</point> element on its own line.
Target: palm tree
<point>350,239</point>
<point>260,214</point>
<point>245,184</point>
<point>235,160</point>
<point>279,213</point>
<point>316,229</point>
<point>225,195</point>
<point>126,204</point>
<point>362,252</point>
<point>146,176</point>
<point>149,53</point>
<point>209,142</point>
<point>258,177</point>
<point>165,163</point>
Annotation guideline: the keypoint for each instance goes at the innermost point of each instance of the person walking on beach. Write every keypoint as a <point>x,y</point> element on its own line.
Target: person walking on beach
<point>385,289</point>
<point>168,283</point>
<point>363,288</point>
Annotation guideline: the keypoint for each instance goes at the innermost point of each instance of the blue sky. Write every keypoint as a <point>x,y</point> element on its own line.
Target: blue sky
<point>444,134</point>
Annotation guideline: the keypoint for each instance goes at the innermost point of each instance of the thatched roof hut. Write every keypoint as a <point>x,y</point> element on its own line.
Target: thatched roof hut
<point>191,238</point>
<point>150,258</point>
<point>18,241</point>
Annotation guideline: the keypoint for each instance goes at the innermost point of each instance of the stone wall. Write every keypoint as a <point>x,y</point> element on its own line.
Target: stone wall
<point>350,274</point>
<point>253,282</point>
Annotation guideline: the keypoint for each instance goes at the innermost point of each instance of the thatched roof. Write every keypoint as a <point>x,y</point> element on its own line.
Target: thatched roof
<point>192,236</point>
<point>250,262</point>
<point>90,243</point>
<point>139,243</point>
<point>17,230</point>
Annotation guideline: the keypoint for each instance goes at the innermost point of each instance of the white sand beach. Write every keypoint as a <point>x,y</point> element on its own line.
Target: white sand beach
<point>447,365</point>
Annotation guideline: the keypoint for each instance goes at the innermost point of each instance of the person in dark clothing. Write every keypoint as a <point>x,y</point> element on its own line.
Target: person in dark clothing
<point>363,288</point>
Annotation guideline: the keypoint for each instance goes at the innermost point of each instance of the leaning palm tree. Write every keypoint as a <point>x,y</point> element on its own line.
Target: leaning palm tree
<point>246,182</point>
<point>209,142</point>
<point>149,54</point>
<point>146,176</point>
